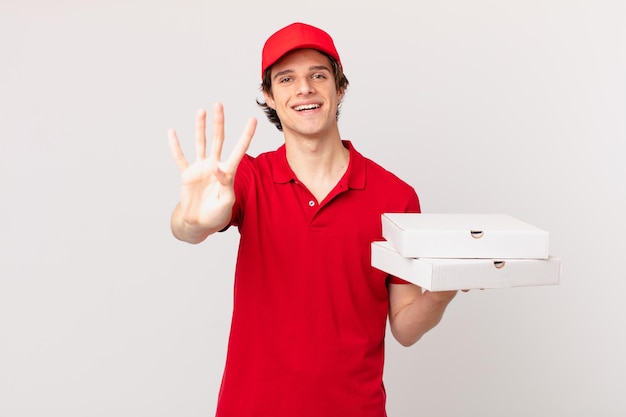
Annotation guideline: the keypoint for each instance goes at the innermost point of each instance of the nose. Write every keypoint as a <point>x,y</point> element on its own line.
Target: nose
<point>305,86</point>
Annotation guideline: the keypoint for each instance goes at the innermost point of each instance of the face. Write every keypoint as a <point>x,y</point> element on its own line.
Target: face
<point>304,94</point>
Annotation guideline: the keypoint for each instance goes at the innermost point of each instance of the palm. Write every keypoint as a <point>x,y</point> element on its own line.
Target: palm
<point>207,193</point>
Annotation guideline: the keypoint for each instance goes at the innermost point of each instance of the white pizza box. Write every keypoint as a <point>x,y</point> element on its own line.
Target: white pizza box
<point>443,235</point>
<point>441,274</point>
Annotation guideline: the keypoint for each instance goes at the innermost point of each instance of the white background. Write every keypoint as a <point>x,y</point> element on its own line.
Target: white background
<point>483,106</point>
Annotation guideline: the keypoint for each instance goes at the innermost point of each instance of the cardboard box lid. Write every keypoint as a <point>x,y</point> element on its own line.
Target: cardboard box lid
<point>442,274</point>
<point>443,235</point>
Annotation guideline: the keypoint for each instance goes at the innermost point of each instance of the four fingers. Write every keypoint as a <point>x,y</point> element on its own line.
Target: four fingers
<point>241,147</point>
<point>201,134</point>
<point>177,152</point>
<point>218,132</point>
<point>217,143</point>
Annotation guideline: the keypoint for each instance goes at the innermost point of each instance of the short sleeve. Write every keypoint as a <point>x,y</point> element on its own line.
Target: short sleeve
<point>395,280</point>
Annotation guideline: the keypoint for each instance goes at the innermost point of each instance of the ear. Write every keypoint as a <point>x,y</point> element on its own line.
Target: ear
<point>269,99</point>
<point>340,93</point>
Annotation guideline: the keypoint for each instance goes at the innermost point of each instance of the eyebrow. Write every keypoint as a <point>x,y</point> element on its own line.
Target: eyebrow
<point>311,68</point>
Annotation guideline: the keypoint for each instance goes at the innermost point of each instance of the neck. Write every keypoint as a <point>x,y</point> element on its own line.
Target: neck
<point>318,164</point>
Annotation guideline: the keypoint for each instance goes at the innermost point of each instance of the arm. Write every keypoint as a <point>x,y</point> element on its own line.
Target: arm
<point>412,312</point>
<point>207,185</point>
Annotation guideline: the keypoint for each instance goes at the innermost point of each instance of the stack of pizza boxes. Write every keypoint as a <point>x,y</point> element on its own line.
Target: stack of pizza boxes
<point>442,252</point>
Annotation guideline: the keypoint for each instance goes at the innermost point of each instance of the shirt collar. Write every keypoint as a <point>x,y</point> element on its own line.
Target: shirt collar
<point>355,175</point>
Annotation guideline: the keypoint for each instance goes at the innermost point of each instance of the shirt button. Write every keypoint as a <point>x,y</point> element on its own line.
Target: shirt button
<point>311,203</point>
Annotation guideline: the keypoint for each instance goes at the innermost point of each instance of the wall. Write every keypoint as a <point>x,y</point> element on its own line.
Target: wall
<point>483,106</point>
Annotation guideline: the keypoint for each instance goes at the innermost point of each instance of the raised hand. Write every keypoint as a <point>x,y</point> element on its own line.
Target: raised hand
<point>207,193</point>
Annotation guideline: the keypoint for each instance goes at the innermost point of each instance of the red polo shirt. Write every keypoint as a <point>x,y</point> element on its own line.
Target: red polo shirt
<point>310,312</point>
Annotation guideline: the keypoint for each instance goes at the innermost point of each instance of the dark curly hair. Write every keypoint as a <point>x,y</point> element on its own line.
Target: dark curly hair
<point>341,83</point>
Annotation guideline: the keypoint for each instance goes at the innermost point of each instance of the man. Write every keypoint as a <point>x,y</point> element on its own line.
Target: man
<point>310,313</point>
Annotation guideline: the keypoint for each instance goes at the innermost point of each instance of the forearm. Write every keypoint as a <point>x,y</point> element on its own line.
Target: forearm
<point>411,321</point>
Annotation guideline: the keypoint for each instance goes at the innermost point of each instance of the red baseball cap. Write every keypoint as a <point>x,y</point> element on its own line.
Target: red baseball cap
<point>296,36</point>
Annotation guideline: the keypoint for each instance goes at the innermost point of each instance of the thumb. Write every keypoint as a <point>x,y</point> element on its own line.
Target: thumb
<point>221,174</point>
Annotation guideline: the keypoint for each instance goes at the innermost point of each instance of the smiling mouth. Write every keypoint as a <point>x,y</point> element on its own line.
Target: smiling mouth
<point>307,107</point>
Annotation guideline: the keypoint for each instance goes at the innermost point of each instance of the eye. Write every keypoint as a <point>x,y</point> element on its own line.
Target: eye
<point>284,80</point>
<point>318,76</point>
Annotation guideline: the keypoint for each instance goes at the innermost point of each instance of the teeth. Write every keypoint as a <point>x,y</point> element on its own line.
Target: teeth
<point>307,107</point>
